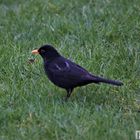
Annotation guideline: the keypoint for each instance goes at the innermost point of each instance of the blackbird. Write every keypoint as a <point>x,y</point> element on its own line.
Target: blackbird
<point>65,73</point>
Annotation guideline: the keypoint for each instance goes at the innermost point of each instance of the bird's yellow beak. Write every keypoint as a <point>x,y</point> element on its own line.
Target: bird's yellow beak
<point>35,52</point>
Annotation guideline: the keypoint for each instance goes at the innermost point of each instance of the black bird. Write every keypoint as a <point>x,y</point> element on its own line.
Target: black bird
<point>65,73</point>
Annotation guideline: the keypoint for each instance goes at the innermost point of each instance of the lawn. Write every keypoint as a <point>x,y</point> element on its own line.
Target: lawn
<point>103,36</point>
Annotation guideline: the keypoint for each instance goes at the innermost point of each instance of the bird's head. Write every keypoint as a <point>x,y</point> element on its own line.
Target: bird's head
<point>47,52</point>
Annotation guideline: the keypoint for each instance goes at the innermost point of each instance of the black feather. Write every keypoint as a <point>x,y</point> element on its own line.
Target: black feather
<point>65,73</point>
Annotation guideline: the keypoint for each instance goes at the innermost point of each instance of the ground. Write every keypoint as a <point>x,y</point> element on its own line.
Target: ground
<point>103,36</point>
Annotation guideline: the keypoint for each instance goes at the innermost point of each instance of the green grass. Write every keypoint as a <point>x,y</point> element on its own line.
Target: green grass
<point>101,35</point>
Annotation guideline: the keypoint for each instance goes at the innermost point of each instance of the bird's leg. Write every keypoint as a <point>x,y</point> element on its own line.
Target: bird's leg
<point>69,91</point>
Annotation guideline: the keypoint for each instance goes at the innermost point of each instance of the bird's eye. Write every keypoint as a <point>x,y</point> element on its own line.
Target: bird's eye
<point>42,51</point>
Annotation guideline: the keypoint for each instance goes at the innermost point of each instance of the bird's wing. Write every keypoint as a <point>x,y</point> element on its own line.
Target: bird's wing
<point>65,73</point>
<point>67,68</point>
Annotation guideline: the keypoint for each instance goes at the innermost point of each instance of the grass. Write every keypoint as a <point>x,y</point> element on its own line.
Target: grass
<point>103,36</point>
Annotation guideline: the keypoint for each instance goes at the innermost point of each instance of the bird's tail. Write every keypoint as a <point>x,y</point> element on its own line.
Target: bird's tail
<point>108,81</point>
